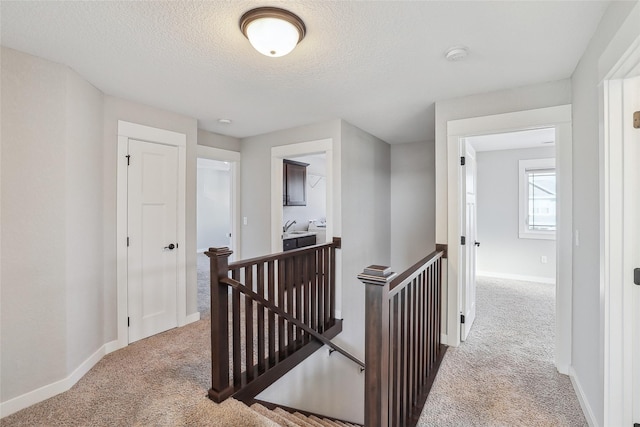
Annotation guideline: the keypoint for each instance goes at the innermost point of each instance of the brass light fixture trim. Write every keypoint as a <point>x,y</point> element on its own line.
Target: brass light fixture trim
<point>272,14</point>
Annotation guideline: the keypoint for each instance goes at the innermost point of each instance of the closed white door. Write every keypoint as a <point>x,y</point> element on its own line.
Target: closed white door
<point>152,238</point>
<point>470,236</point>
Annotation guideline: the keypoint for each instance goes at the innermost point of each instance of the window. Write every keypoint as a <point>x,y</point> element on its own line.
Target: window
<point>537,199</point>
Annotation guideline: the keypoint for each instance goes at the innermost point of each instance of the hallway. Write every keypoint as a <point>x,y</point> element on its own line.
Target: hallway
<point>503,375</point>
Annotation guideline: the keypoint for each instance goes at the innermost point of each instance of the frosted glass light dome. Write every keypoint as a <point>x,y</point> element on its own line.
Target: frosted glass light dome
<point>271,31</point>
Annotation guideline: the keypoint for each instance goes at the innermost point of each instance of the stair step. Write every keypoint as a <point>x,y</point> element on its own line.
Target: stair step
<point>272,415</point>
<point>292,418</point>
<point>307,419</point>
<point>284,418</point>
<point>324,421</point>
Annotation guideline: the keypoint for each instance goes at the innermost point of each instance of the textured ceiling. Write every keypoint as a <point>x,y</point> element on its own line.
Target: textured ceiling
<point>379,65</point>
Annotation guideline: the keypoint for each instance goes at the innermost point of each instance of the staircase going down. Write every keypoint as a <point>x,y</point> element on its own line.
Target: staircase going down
<point>286,419</point>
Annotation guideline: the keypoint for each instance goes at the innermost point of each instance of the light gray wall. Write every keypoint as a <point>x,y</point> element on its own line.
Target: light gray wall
<point>501,250</point>
<point>51,265</point>
<point>256,180</point>
<point>366,223</point>
<point>517,99</point>
<point>216,140</point>
<point>121,109</point>
<point>413,214</point>
<point>587,346</point>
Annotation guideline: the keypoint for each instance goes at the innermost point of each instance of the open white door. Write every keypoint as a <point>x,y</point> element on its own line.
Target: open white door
<point>469,236</point>
<point>152,238</point>
<point>631,90</point>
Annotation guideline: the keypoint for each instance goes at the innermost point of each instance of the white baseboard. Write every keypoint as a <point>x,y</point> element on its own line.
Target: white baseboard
<point>45,392</point>
<point>537,279</point>
<point>192,318</point>
<point>584,403</point>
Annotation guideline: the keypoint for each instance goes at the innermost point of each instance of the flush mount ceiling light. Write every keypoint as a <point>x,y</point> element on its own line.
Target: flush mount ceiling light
<point>272,31</point>
<point>457,53</point>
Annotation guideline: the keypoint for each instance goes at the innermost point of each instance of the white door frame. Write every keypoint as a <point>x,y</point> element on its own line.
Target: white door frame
<point>233,157</point>
<point>127,130</point>
<point>559,118</point>
<point>619,61</point>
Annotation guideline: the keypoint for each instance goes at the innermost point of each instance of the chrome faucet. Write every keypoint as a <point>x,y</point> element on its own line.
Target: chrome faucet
<point>287,225</point>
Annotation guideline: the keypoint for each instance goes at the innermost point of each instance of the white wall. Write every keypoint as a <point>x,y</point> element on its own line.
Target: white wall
<point>588,341</point>
<point>256,178</point>
<point>501,251</point>
<point>52,244</point>
<point>216,140</point>
<point>413,212</point>
<point>121,109</point>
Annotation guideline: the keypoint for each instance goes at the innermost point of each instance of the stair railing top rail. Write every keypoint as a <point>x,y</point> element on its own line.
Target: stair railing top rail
<point>401,280</point>
<point>270,306</point>
<point>336,243</point>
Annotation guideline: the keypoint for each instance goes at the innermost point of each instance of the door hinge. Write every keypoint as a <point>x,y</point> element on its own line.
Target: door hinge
<point>636,122</point>
<point>128,321</point>
<point>462,161</point>
<point>128,159</point>
<point>127,242</point>
<point>462,318</point>
<point>636,277</point>
<point>463,240</point>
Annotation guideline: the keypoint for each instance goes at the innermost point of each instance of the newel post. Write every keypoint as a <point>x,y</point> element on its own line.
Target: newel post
<point>219,262</point>
<point>376,358</point>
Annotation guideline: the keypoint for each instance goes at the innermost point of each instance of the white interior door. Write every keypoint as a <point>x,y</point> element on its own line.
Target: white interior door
<point>631,92</point>
<point>468,258</point>
<point>152,238</point>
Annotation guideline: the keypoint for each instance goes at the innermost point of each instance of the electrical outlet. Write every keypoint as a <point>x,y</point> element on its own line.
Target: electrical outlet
<point>543,259</point>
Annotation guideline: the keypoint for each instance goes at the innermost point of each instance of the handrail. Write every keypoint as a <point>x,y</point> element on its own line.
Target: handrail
<point>269,306</point>
<point>408,274</point>
<point>282,255</point>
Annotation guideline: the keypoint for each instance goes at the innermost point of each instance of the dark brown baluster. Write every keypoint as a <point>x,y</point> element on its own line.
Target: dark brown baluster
<point>298,289</point>
<point>305,289</point>
<point>394,375</point>
<point>327,293</point>
<point>314,290</point>
<point>237,350</point>
<point>289,286</point>
<point>320,260</point>
<point>332,288</point>
<point>271,315</point>
<point>261,344</point>
<point>403,356</point>
<point>281,292</point>
<point>248,313</point>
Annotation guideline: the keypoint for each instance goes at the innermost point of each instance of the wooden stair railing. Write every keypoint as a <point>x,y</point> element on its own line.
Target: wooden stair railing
<point>281,309</point>
<point>402,341</point>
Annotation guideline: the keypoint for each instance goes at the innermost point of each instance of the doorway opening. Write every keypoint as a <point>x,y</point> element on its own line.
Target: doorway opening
<point>509,219</point>
<point>217,210</point>
<point>559,119</point>
<point>306,220</point>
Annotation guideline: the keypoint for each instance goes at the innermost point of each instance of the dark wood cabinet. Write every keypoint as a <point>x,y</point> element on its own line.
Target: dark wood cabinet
<point>294,183</point>
<point>298,242</point>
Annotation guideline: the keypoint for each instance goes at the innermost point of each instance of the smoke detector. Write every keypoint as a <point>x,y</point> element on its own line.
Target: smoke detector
<point>456,53</point>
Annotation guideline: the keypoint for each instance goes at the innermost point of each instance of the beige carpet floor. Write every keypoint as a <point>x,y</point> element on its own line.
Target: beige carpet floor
<point>503,375</point>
